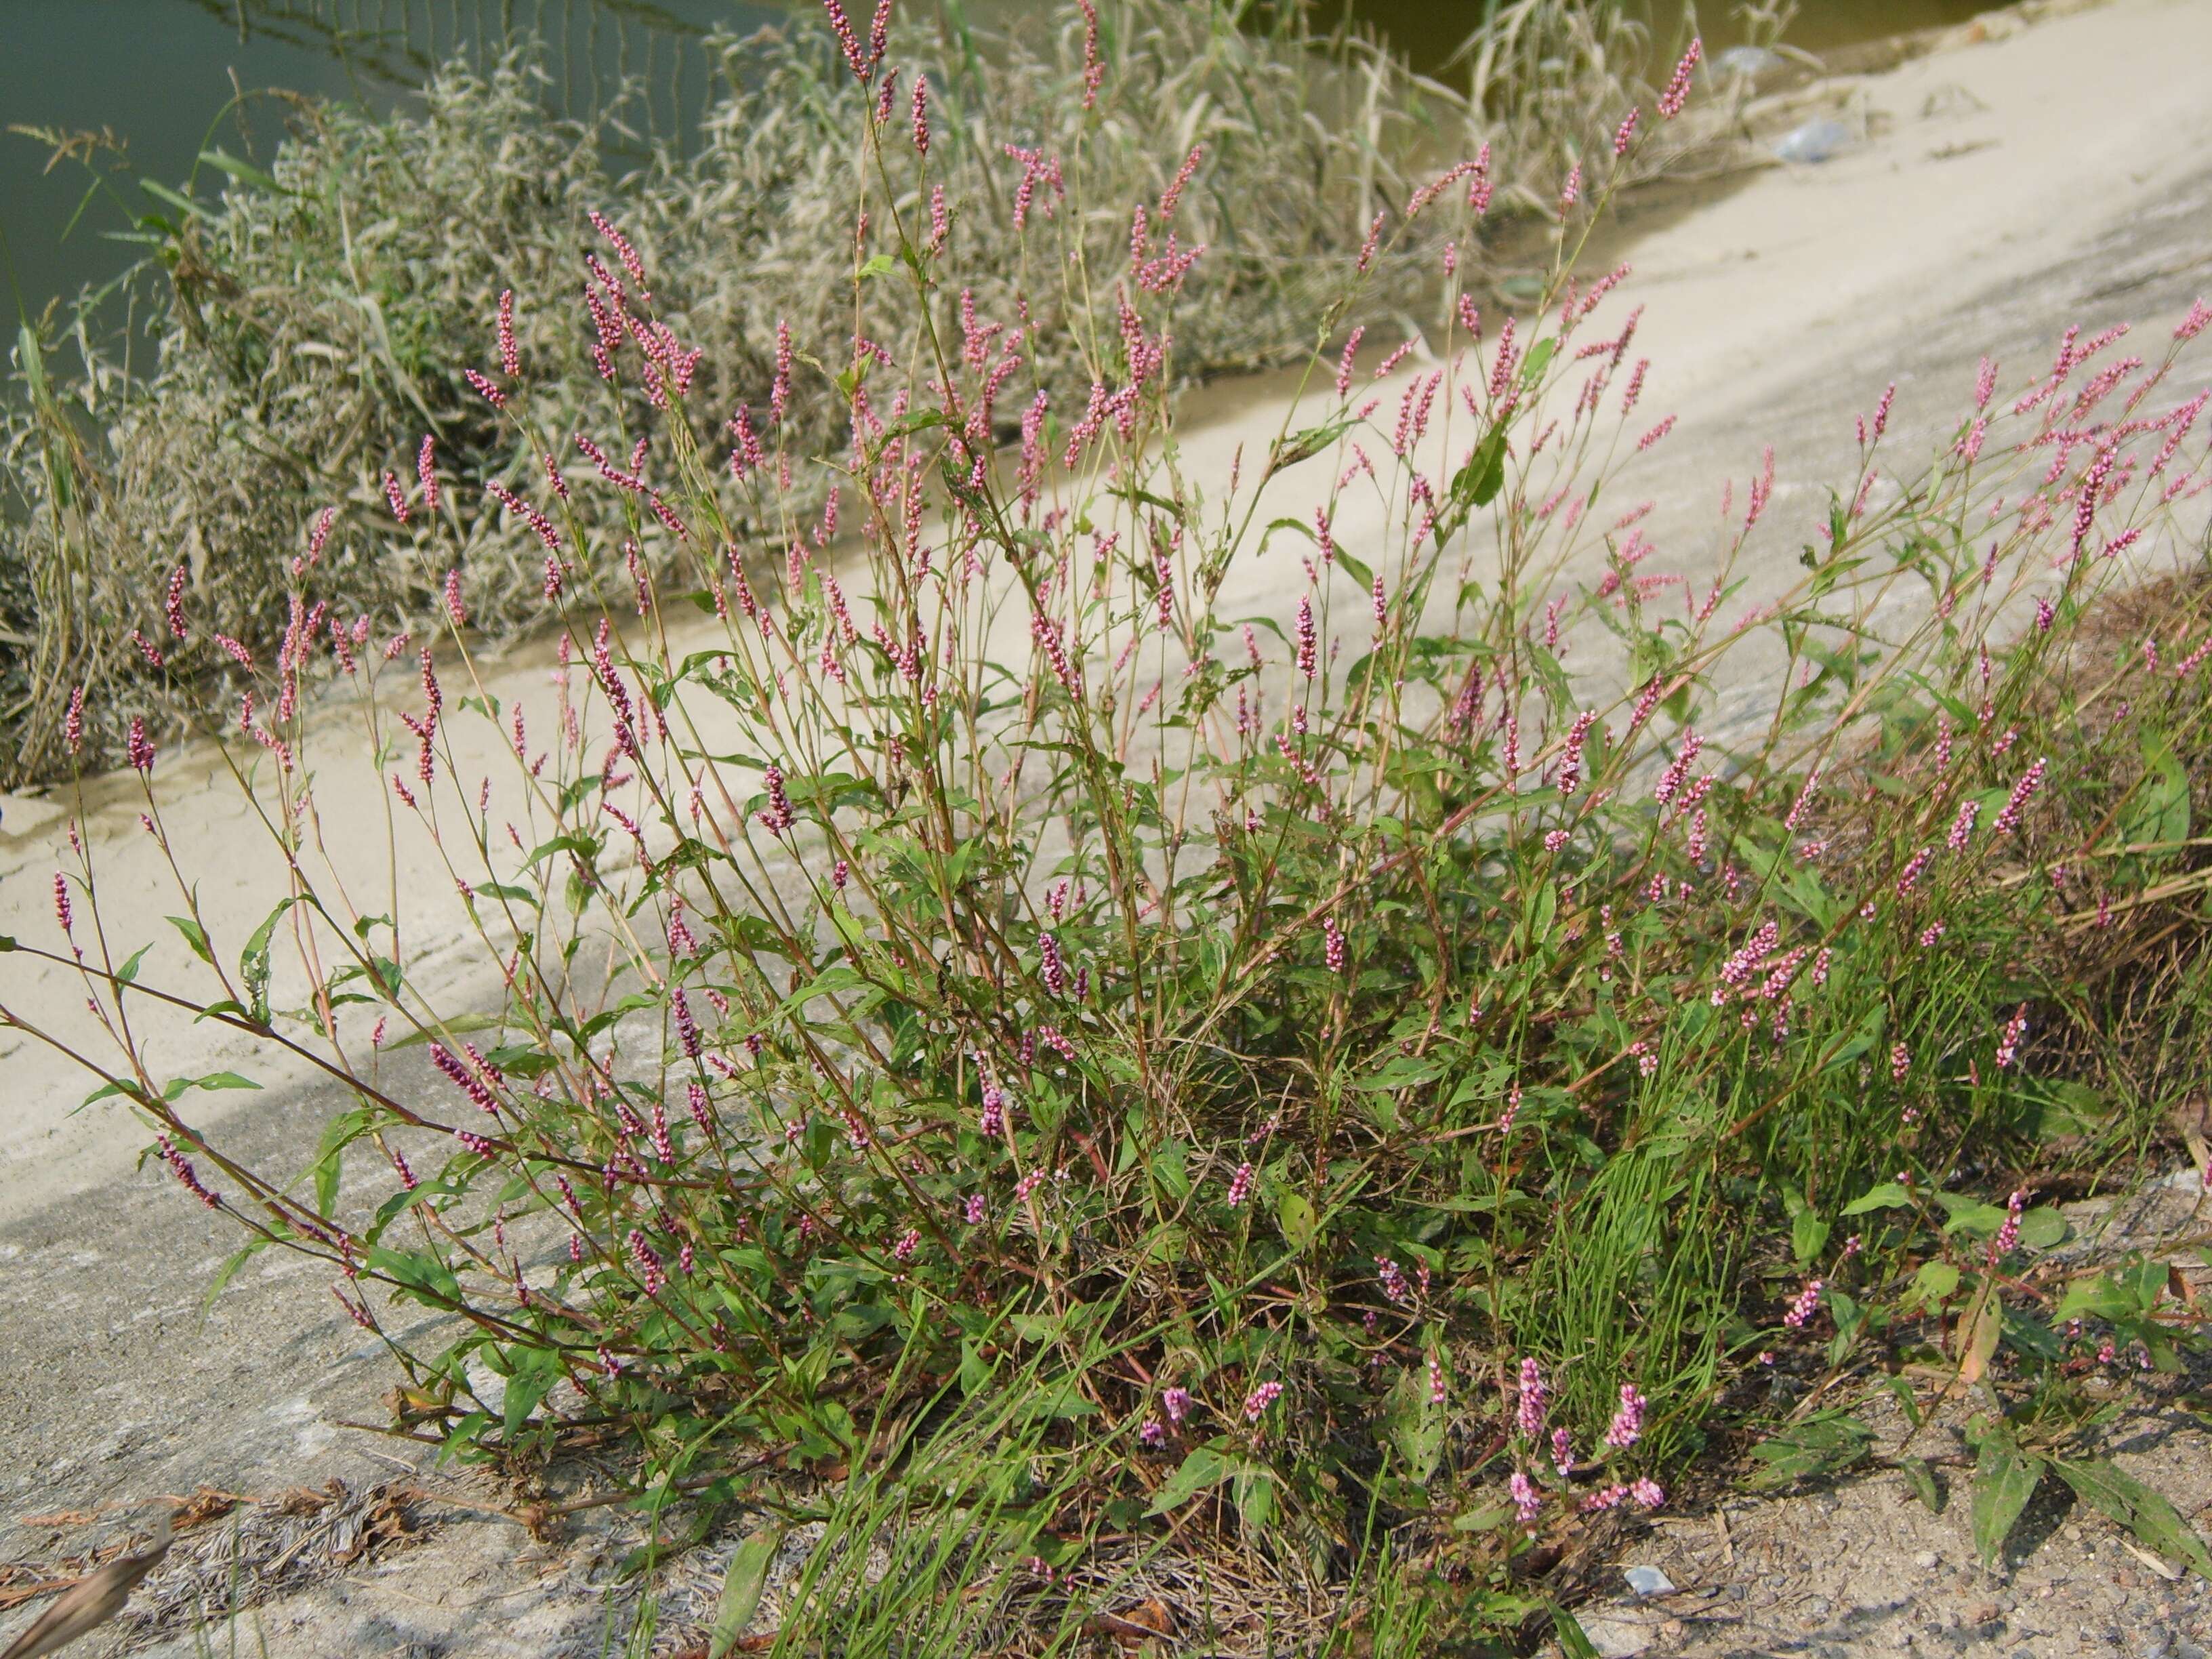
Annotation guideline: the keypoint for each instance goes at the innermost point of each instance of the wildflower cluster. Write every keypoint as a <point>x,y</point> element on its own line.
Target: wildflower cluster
<point>1029,1002</point>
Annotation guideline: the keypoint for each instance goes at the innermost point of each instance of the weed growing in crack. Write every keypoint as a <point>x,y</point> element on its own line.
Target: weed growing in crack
<point>1104,1010</point>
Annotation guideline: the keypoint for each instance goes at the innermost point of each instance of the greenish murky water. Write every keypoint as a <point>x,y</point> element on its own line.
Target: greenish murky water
<point>158,77</point>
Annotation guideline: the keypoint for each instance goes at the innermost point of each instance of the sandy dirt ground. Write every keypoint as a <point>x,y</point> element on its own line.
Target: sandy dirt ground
<point>2029,175</point>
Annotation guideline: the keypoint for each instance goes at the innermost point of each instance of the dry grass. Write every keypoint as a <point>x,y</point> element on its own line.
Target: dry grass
<point>315,323</point>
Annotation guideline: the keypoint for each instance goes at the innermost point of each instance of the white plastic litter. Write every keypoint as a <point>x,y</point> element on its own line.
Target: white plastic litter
<point>1816,141</point>
<point>1750,62</point>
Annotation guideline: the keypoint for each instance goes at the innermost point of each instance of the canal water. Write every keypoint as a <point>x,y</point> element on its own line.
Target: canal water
<point>158,79</point>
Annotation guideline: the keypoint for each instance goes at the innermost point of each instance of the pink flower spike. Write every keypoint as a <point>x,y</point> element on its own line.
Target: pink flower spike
<point>1527,1500</point>
<point>1240,1186</point>
<point>1528,1415</point>
<point>489,393</point>
<point>1678,85</point>
<point>1806,1304</point>
<point>1627,1426</point>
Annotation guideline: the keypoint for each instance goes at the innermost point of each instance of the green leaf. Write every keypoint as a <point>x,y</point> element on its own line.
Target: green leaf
<point>1202,1470</point>
<point>1539,356</point>
<point>453,1025</point>
<point>1823,1445</point>
<point>341,1132</point>
<point>162,193</point>
<point>229,1270</point>
<point>1304,445</point>
<point>2160,813</point>
<point>2141,1511</point>
<point>243,171</point>
<point>253,960</point>
<point>1971,1215</point>
<point>1477,483</point>
<point>742,1585</point>
<point>418,1274</point>
<point>975,1369</point>
<point>2098,1297</point>
<point>882,266</point>
<point>1171,1170</point>
<point>1807,1233</point>
<point>196,936</point>
<point>1934,1282</point>
<point>1360,571</point>
<point>1416,1423</point>
<point>1574,1643</point>
<point>1294,1214</point>
<point>1887,1196</point>
<point>1923,1479</point>
<point>213,1080</point>
<point>129,970</point>
<point>2005,1478</point>
<point>524,1391</point>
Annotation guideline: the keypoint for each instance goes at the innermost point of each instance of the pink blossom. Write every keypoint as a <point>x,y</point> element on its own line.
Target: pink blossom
<point>187,1177</point>
<point>1806,1304</point>
<point>1528,1413</point>
<point>1393,1280</point>
<point>1527,1500</point>
<point>2008,1234</point>
<point>778,816</point>
<point>1678,84</point>
<point>1627,1426</point>
<point>2022,793</point>
<point>485,389</point>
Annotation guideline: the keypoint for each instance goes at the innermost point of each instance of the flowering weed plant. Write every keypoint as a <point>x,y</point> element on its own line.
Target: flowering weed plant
<point>1065,1017</point>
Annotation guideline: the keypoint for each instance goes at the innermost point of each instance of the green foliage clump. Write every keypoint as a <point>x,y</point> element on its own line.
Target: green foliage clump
<point>1078,1069</point>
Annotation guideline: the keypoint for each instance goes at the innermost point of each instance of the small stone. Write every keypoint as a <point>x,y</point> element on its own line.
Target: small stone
<point>1926,1559</point>
<point>1649,1581</point>
<point>1615,1639</point>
